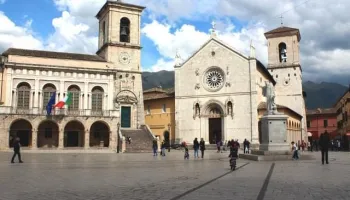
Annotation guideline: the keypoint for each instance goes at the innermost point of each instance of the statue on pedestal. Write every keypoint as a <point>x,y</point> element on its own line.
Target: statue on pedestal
<point>271,106</point>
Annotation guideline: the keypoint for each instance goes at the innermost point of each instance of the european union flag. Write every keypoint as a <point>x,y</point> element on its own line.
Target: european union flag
<point>51,103</point>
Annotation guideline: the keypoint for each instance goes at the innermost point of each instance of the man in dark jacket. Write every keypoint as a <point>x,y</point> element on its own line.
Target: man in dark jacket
<point>202,146</point>
<point>16,149</point>
<point>324,143</point>
<point>196,147</point>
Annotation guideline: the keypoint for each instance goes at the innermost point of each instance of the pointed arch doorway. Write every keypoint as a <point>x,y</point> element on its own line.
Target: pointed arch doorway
<point>215,115</point>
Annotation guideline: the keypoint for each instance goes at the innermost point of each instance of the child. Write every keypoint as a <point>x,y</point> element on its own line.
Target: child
<point>187,155</point>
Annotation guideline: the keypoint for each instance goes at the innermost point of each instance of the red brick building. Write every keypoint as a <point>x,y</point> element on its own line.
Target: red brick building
<point>320,120</point>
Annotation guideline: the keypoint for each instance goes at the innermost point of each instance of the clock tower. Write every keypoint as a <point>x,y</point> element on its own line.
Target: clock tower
<point>119,43</point>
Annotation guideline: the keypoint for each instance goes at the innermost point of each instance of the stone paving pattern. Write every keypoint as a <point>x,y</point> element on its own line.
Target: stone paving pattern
<point>142,176</point>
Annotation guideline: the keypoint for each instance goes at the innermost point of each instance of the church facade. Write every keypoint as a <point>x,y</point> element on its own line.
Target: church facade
<point>105,89</point>
<point>219,91</point>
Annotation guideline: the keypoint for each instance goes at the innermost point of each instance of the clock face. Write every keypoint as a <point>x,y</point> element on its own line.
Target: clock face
<point>124,58</point>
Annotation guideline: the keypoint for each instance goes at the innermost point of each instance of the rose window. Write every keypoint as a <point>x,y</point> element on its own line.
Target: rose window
<point>214,79</point>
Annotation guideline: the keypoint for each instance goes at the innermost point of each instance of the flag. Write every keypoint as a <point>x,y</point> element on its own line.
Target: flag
<point>66,101</point>
<point>50,104</point>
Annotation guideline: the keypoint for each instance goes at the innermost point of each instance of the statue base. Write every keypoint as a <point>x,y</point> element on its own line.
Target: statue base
<point>274,145</point>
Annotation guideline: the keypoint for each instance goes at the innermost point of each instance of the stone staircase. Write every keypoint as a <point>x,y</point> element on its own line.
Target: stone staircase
<point>141,140</point>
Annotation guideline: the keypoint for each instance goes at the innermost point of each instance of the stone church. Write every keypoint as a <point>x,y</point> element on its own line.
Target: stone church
<point>219,91</point>
<point>105,89</point>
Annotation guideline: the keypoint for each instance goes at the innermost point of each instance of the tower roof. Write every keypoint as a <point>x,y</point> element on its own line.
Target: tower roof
<point>282,32</point>
<point>119,3</point>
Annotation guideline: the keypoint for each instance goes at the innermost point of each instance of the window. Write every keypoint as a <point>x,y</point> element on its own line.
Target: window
<point>75,90</point>
<point>308,124</point>
<point>23,95</point>
<point>48,133</point>
<point>148,110</point>
<point>164,108</point>
<point>325,123</point>
<point>97,99</point>
<point>124,30</point>
<point>48,91</point>
<point>104,35</point>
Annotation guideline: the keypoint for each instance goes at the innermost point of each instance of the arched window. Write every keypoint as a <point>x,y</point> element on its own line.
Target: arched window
<point>96,99</point>
<point>48,91</point>
<point>104,35</point>
<point>23,95</point>
<point>75,90</point>
<point>282,49</point>
<point>124,30</point>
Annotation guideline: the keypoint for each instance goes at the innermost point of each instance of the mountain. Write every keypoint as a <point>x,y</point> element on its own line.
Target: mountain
<point>322,95</point>
<point>319,95</point>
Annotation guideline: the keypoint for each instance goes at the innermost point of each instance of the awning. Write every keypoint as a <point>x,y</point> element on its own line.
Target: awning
<point>309,134</point>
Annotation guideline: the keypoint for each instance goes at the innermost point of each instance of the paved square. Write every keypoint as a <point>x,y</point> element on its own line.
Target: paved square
<point>142,176</point>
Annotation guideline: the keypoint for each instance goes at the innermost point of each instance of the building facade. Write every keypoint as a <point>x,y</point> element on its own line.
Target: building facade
<point>321,120</point>
<point>106,88</point>
<point>218,90</point>
<point>160,112</point>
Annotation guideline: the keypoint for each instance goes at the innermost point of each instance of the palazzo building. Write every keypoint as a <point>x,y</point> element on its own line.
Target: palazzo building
<point>106,88</point>
<point>219,91</point>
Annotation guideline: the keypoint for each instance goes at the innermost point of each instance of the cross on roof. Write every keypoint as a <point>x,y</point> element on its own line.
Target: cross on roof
<point>213,25</point>
<point>281,20</point>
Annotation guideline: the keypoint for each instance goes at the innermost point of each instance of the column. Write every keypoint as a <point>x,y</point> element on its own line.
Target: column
<point>87,139</point>
<point>61,139</point>
<point>34,139</point>
<point>86,91</point>
<point>36,94</point>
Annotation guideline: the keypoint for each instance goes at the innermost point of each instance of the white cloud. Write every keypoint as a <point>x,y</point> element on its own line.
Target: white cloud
<point>2,1</point>
<point>12,35</point>
<point>187,40</point>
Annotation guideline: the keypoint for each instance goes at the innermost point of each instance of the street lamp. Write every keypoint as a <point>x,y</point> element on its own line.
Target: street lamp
<point>169,138</point>
<point>118,142</point>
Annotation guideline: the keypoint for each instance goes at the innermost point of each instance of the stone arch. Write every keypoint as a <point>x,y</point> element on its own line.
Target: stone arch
<point>211,104</point>
<point>21,128</point>
<point>99,134</point>
<point>23,82</point>
<point>124,32</point>
<point>48,134</point>
<point>74,134</point>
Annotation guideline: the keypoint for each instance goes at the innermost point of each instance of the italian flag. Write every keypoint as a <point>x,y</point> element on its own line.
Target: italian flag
<point>66,101</point>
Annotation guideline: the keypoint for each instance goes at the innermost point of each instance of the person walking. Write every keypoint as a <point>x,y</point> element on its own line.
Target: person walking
<point>202,146</point>
<point>155,147</point>
<point>16,149</point>
<point>324,143</point>
<point>195,147</point>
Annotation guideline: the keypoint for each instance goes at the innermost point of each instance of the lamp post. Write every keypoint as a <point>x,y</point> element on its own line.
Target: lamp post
<point>118,142</point>
<point>169,138</point>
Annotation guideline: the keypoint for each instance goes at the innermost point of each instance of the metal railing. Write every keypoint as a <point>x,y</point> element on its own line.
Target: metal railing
<point>58,112</point>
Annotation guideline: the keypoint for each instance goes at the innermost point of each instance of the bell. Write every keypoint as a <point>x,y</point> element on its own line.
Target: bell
<point>123,32</point>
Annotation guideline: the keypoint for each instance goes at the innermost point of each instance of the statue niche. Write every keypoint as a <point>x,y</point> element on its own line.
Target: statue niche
<point>229,108</point>
<point>197,111</point>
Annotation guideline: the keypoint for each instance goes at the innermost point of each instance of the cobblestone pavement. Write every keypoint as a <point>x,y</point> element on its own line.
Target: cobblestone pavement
<point>142,176</point>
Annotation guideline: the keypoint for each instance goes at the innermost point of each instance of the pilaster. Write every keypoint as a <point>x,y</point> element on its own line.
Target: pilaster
<point>34,139</point>
<point>61,139</point>
<point>87,139</point>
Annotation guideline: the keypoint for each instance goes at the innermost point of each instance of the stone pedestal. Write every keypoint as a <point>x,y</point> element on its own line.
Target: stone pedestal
<point>274,145</point>
<point>274,133</point>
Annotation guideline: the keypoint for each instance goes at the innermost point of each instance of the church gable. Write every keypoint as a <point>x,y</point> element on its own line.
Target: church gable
<point>214,68</point>
<point>210,47</point>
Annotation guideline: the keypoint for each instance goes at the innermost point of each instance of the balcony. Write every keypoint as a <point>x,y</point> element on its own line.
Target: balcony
<point>58,112</point>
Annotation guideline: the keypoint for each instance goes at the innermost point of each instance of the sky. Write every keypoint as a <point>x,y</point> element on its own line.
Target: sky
<point>169,26</point>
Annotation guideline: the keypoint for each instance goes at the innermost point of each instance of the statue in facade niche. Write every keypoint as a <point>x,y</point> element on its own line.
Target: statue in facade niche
<point>269,93</point>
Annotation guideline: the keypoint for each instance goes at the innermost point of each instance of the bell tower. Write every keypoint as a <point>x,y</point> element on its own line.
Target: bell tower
<point>284,66</point>
<point>119,40</point>
<point>119,43</point>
